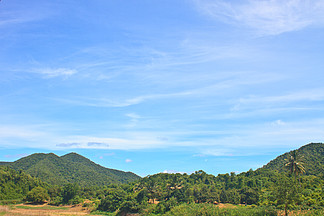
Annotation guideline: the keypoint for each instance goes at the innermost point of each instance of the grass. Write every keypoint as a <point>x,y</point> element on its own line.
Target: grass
<point>10,202</point>
<point>3,210</point>
<point>103,213</point>
<point>211,210</point>
<point>42,207</point>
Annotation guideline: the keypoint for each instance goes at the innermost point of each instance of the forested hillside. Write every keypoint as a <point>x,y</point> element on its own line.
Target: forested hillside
<point>311,155</point>
<point>268,187</point>
<point>266,190</point>
<point>70,168</point>
<point>15,185</point>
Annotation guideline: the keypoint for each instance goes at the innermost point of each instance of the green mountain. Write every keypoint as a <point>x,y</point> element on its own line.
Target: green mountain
<point>70,168</point>
<point>312,158</point>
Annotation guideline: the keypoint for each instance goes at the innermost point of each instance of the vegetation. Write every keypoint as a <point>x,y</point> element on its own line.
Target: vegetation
<point>42,207</point>
<point>16,184</point>
<point>70,168</point>
<point>313,159</point>
<point>209,209</point>
<point>293,164</point>
<point>37,195</point>
<point>265,191</point>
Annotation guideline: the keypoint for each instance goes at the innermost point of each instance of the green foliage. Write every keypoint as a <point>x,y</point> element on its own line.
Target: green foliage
<point>313,159</point>
<point>258,192</point>
<point>128,206</point>
<point>56,201</point>
<point>211,210</point>
<point>11,202</point>
<point>70,191</point>
<point>294,164</point>
<point>286,193</point>
<point>16,184</point>
<point>42,207</point>
<point>98,212</point>
<point>37,195</point>
<point>113,200</point>
<point>70,168</point>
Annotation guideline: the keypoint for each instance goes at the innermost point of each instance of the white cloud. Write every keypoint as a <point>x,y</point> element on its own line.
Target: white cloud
<point>106,102</point>
<point>128,161</point>
<point>56,72</point>
<point>278,123</point>
<point>125,141</point>
<point>134,118</point>
<point>173,172</point>
<point>133,115</point>
<point>236,140</point>
<point>262,138</point>
<point>257,101</point>
<point>23,132</point>
<point>18,13</point>
<point>266,17</point>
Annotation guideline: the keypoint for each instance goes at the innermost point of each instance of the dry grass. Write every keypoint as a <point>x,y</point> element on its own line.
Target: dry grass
<point>42,210</point>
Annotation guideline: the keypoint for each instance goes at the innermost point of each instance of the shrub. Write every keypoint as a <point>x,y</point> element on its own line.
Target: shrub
<point>37,195</point>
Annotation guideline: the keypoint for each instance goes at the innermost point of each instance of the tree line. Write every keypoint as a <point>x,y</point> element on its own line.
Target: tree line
<point>263,190</point>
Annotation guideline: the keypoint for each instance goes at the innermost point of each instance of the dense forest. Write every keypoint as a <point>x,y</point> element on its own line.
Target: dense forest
<point>293,181</point>
<point>313,159</point>
<point>70,168</point>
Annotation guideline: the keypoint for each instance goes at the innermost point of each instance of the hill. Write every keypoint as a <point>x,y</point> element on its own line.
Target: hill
<point>313,159</point>
<point>70,168</point>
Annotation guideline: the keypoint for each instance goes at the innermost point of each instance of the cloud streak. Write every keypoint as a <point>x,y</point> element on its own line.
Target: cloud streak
<point>267,17</point>
<point>295,98</point>
<point>56,72</point>
<point>106,102</point>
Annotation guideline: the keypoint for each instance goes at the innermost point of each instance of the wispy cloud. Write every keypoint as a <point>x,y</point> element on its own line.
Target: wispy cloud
<point>266,17</point>
<point>257,101</point>
<point>17,155</point>
<point>234,140</point>
<point>20,131</point>
<point>68,145</point>
<point>106,102</point>
<point>55,72</point>
<point>134,118</point>
<point>19,13</point>
<point>129,141</point>
<point>265,137</point>
<point>128,160</point>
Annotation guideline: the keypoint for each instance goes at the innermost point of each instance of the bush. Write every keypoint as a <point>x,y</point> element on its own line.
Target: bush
<point>56,201</point>
<point>129,206</point>
<point>37,195</point>
<point>113,201</point>
<point>211,210</point>
<point>76,200</point>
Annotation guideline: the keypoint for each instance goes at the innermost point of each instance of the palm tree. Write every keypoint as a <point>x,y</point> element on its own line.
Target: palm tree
<point>294,164</point>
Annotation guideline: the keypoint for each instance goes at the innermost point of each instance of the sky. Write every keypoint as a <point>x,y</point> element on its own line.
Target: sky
<point>161,86</point>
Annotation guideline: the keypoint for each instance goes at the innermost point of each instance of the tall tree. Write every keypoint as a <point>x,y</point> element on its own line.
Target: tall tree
<point>286,192</point>
<point>294,164</point>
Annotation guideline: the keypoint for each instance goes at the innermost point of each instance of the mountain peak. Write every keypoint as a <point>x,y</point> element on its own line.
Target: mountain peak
<point>70,168</point>
<point>72,153</point>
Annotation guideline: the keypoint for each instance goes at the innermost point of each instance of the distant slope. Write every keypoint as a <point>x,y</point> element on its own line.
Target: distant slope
<point>70,168</point>
<point>15,185</point>
<point>313,159</point>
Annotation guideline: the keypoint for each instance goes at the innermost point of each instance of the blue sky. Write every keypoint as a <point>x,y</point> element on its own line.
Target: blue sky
<point>161,86</point>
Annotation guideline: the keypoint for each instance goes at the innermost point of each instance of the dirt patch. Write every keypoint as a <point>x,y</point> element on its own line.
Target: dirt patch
<point>225,205</point>
<point>43,210</point>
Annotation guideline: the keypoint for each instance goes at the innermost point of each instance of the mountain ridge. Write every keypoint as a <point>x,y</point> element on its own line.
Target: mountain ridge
<point>312,157</point>
<point>69,168</point>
